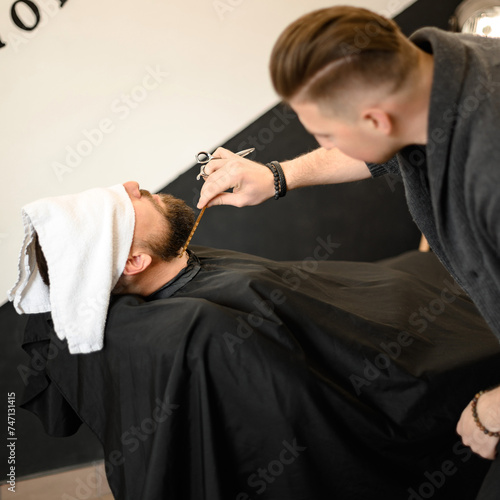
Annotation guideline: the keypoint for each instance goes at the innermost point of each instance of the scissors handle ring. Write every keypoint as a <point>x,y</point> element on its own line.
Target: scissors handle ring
<point>203,157</point>
<point>202,173</point>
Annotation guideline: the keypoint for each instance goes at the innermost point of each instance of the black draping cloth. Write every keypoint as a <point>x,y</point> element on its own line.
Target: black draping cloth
<point>267,380</point>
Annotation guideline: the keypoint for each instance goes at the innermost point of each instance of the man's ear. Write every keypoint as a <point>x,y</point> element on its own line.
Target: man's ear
<point>137,262</point>
<point>378,120</point>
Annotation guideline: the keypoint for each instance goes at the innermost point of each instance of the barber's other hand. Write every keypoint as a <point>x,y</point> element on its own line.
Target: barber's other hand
<point>252,182</point>
<point>488,410</point>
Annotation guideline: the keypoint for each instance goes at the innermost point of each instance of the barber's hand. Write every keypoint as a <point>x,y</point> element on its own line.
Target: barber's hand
<point>252,182</point>
<point>488,410</point>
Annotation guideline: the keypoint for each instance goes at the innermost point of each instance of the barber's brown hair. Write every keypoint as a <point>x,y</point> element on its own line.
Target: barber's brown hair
<point>335,48</point>
<point>179,219</point>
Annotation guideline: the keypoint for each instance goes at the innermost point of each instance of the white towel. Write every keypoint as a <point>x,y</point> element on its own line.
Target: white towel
<point>86,239</point>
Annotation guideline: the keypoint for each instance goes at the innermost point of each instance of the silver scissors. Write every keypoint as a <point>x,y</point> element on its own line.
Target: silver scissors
<point>203,157</point>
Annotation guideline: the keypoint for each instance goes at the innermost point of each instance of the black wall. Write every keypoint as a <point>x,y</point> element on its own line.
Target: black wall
<point>369,220</point>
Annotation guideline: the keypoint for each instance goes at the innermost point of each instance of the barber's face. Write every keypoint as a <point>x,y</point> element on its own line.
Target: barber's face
<point>148,207</point>
<point>356,137</point>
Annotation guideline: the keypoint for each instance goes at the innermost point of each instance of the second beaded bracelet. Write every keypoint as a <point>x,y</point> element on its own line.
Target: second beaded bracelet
<point>475,416</point>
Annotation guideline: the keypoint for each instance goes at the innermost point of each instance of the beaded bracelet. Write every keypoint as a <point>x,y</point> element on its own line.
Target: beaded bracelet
<point>279,179</point>
<point>273,169</point>
<point>476,417</point>
<point>282,178</point>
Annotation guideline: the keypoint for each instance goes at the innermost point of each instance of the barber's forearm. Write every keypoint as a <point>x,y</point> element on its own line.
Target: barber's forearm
<point>323,167</point>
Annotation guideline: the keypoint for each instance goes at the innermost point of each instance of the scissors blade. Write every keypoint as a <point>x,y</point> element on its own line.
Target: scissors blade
<point>245,152</point>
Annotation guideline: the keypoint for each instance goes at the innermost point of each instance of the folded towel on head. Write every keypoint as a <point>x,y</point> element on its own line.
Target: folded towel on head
<point>86,239</point>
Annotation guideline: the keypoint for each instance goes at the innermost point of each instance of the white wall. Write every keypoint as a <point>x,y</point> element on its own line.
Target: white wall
<point>162,79</point>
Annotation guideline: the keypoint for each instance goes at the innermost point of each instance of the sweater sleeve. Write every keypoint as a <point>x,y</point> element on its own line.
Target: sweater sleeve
<point>390,167</point>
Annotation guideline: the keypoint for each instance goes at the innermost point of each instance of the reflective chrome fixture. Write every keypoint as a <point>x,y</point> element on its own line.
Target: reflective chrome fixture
<point>479,17</point>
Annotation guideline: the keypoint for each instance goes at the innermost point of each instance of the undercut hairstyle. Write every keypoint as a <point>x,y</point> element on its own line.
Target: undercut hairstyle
<point>332,50</point>
<point>179,221</point>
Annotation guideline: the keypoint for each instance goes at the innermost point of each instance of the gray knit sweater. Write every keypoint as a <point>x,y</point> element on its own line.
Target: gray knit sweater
<point>453,183</point>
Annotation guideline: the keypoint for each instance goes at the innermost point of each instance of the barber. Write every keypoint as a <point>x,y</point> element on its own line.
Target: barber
<point>425,107</point>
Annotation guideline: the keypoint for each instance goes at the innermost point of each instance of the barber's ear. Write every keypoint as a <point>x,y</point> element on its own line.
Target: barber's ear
<point>137,263</point>
<point>378,120</point>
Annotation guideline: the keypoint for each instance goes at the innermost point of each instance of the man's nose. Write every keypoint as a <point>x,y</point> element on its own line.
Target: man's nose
<point>132,189</point>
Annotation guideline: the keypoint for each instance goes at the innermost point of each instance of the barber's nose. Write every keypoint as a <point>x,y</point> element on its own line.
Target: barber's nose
<point>132,189</point>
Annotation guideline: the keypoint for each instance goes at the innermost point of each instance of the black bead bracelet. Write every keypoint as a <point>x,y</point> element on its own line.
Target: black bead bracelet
<point>476,417</point>
<point>281,175</point>
<point>279,179</point>
<point>272,168</point>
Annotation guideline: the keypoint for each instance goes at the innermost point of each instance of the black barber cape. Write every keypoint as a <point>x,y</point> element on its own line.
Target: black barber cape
<point>245,378</point>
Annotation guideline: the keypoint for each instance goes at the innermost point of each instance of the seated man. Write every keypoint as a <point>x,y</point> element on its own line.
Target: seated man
<point>119,238</point>
<point>225,375</point>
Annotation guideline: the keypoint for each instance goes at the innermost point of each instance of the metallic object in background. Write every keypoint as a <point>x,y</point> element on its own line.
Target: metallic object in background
<point>478,17</point>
